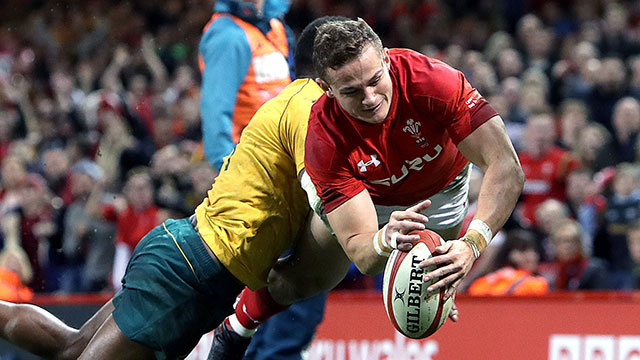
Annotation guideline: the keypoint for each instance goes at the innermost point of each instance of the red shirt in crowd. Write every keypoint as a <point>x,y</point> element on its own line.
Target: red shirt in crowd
<point>410,156</point>
<point>132,225</point>
<point>546,178</point>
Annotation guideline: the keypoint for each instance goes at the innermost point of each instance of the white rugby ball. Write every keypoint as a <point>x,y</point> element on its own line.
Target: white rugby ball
<point>412,310</point>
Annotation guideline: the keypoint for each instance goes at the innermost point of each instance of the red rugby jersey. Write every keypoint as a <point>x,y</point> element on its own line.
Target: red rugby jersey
<point>410,156</point>
<point>546,178</point>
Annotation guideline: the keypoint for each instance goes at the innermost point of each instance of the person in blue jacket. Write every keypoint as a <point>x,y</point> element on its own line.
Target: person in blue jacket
<point>245,59</point>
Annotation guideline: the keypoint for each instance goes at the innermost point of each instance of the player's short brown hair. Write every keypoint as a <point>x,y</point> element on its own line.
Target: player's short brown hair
<point>340,42</point>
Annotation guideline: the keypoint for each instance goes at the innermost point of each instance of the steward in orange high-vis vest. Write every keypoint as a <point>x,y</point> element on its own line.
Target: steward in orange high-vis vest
<point>245,60</point>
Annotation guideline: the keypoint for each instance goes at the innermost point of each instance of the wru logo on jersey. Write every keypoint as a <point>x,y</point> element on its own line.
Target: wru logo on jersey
<point>416,164</point>
<point>374,161</point>
<point>413,128</point>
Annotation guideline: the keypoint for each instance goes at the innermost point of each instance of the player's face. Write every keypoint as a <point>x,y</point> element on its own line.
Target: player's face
<point>363,86</point>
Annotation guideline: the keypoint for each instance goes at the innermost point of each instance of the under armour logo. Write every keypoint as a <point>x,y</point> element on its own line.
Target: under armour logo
<point>374,161</point>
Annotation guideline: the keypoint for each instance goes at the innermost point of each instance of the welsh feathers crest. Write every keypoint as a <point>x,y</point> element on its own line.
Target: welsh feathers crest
<point>413,129</point>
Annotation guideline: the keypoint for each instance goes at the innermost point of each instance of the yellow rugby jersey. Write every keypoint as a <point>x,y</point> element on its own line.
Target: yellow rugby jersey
<point>256,209</point>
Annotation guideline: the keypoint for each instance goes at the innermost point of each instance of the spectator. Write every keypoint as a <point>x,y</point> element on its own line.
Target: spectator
<point>55,166</point>
<point>517,269</point>
<point>515,117</point>
<point>572,75</point>
<point>572,269</point>
<point>574,116</point>
<point>115,139</point>
<point>626,125</point>
<point>594,147</point>
<point>611,85</point>
<point>88,239</point>
<point>548,215</point>
<point>28,226</point>
<point>586,204</point>
<point>623,209</point>
<point>12,287</point>
<point>245,54</point>
<point>615,40</point>
<point>545,166</point>
<point>170,169</point>
<point>135,217</point>
<point>509,63</point>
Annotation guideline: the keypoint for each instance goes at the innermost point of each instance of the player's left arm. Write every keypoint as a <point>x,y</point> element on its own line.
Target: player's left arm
<point>489,148</point>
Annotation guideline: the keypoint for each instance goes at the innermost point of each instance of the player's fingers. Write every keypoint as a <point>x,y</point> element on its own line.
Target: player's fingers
<point>398,216</point>
<point>405,227</point>
<point>442,271</point>
<point>421,206</point>
<point>414,216</point>
<point>435,260</point>
<point>405,246</point>
<point>402,242</point>
<point>444,281</point>
<point>400,238</point>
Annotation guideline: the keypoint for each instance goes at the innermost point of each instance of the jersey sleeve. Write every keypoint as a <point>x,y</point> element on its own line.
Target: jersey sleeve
<point>329,172</point>
<point>459,106</point>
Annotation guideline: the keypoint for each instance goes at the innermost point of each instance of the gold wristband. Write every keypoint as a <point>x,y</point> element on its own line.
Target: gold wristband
<point>475,238</point>
<point>473,246</point>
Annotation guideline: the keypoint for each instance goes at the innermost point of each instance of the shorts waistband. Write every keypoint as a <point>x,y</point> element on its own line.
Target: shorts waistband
<point>207,261</point>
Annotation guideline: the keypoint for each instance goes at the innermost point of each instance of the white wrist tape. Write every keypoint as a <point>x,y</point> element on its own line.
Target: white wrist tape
<point>394,240</point>
<point>380,244</point>
<point>482,227</point>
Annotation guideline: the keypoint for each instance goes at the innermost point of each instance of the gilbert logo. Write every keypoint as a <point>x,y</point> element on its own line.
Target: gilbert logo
<point>413,128</point>
<point>374,161</point>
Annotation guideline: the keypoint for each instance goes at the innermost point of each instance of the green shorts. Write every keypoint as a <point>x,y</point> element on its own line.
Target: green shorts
<point>173,292</point>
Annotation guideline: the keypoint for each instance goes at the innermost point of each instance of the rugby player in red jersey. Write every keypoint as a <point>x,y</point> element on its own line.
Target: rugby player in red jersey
<point>395,130</point>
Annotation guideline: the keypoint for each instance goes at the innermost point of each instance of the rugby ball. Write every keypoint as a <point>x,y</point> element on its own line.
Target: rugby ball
<point>412,310</point>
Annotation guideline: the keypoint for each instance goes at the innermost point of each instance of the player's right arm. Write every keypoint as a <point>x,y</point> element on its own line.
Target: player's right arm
<point>355,224</point>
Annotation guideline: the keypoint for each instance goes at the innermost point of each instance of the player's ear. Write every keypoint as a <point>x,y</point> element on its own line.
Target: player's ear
<point>385,57</point>
<point>325,87</point>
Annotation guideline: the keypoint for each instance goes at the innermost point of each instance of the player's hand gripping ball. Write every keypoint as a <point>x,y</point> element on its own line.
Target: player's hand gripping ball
<point>415,312</point>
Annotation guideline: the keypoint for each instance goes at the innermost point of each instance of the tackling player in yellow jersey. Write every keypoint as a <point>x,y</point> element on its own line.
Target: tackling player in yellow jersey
<point>257,205</point>
<point>184,275</point>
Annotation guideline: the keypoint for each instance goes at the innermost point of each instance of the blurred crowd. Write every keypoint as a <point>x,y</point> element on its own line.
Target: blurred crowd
<point>100,134</point>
